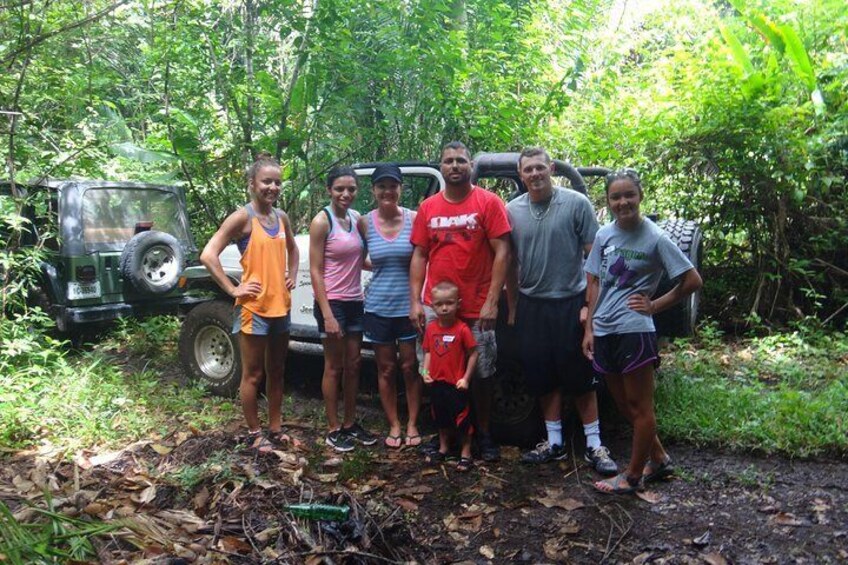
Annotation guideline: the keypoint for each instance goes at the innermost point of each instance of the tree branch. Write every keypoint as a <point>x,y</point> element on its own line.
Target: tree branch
<point>44,37</point>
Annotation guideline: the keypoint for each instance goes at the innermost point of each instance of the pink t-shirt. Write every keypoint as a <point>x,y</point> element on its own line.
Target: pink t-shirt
<point>343,255</point>
<point>456,237</point>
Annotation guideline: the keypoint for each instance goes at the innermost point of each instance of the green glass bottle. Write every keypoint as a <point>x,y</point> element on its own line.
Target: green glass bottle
<point>327,512</point>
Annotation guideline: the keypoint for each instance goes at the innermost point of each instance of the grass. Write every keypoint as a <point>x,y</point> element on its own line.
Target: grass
<point>49,394</point>
<point>784,393</point>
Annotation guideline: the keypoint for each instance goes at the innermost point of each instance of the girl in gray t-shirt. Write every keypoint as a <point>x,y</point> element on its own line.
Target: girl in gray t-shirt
<point>623,270</point>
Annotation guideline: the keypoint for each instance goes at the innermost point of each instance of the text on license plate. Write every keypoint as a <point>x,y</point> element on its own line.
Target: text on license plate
<point>77,290</point>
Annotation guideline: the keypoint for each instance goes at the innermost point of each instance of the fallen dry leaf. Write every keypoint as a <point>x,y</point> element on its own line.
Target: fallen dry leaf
<point>327,477</point>
<point>333,462</point>
<point>201,499</point>
<point>785,519</point>
<point>554,498</point>
<point>702,540</point>
<point>234,545</point>
<point>642,558</point>
<point>23,485</point>
<point>714,559</point>
<point>554,550</point>
<point>406,504</point>
<point>95,508</point>
<point>145,496</point>
<point>429,471</point>
<point>161,449</point>
<point>649,496</point>
<point>487,552</point>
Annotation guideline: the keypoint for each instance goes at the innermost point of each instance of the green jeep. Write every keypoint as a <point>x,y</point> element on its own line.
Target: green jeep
<point>113,249</point>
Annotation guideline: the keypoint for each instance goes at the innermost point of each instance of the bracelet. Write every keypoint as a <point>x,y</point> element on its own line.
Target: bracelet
<point>424,372</point>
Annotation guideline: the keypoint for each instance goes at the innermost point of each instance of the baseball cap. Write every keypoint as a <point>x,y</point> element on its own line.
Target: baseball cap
<point>386,171</point>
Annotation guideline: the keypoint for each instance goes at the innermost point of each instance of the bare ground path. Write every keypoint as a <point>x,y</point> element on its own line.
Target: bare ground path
<point>200,497</point>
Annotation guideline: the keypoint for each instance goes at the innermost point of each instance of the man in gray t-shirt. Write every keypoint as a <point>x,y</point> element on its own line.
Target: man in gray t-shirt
<point>552,230</point>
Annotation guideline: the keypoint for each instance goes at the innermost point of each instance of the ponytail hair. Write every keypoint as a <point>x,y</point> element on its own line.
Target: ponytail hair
<point>263,159</point>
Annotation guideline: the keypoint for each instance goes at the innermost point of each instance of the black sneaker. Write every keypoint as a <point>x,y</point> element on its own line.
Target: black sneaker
<point>543,453</point>
<point>489,450</point>
<point>339,441</point>
<point>360,434</point>
<point>601,461</point>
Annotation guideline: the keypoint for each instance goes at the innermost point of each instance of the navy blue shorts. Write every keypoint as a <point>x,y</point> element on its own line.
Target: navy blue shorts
<point>382,330</point>
<point>619,354</point>
<point>551,339</point>
<point>348,313</point>
<point>450,408</point>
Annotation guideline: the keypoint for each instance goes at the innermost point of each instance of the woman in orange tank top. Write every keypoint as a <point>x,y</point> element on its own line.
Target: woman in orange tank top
<point>263,297</point>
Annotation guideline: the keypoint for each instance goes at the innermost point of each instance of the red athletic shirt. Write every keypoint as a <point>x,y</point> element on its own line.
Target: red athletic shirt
<point>448,348</point>
<point>456,237</point>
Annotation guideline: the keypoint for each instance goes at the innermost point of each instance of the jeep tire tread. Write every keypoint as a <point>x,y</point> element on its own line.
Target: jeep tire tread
<point>680,319</point>
<point>152,262</point>
<point>209,351</point>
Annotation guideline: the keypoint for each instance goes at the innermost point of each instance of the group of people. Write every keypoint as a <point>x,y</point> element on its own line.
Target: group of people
<point>578,295</point>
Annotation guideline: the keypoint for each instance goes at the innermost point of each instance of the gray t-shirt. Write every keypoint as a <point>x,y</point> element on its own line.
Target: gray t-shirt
<point>549,241</point>
<point>630,262</point>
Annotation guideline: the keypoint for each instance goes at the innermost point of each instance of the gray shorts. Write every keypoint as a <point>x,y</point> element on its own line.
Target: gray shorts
<point>487,346</point>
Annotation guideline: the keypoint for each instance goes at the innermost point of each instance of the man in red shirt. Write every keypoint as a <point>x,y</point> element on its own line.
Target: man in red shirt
<point>461,235</point>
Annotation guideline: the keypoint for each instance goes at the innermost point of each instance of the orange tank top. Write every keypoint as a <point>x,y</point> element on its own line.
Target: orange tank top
<point>265,260</point>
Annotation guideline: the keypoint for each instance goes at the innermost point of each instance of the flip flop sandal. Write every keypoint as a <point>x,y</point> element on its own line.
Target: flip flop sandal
<point>435,458</point>
<point>413,441</point>
<point>393,442</point>
<point>654,471</point>
<point>619,484</point>
<point>465,464</point>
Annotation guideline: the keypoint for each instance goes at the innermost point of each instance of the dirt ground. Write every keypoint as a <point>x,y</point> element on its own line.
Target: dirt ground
<point>200,497</point>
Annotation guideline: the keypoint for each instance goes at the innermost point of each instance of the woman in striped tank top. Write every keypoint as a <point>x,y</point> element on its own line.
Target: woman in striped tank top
<point>269,268</point>
<point>386,232</point>
<point>336,255</point>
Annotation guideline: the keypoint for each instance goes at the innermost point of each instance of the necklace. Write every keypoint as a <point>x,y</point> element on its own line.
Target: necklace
<point>539,216</point>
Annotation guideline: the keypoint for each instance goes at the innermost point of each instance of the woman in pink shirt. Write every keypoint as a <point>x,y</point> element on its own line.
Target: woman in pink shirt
<point>336,254</point>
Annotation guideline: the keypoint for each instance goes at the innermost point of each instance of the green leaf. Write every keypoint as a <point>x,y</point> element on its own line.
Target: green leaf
<point>740,56</point>
<point>768,30</point>
<point>798,57</point>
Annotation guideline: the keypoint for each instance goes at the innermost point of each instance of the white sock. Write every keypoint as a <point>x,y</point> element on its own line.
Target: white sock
<point>592,431</point>
<point>554,432</point>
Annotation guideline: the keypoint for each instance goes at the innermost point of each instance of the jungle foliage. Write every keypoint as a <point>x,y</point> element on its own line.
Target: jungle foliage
<point>735,111</point>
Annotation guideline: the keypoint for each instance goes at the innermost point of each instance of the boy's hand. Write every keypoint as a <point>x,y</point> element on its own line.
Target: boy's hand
<point>589,345</point>
<point>462,384</point>
<point>425,374</point>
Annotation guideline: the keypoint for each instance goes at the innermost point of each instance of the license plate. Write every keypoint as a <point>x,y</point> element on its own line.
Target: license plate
<point>78,290</point>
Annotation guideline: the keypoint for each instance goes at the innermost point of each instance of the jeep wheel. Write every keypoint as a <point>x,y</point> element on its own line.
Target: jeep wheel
<point>152,261</point>
<point>679,320</point>
<point>209,352</point>
<point>515,412</point>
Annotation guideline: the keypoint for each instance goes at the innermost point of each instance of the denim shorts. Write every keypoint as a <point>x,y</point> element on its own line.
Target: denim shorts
<point>348,313</point>
<point>247,322</point>
<point>383,330</point>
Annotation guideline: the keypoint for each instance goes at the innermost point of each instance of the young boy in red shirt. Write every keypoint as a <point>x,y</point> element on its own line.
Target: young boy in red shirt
<point>450,357</point>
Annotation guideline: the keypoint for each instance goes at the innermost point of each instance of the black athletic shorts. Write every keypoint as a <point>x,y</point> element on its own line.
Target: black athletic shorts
<point>551,340</point>
<point>450,408</point>
<point>619,354</point>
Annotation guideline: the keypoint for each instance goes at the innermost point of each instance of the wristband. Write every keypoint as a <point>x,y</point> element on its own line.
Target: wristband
<point>424,372</point>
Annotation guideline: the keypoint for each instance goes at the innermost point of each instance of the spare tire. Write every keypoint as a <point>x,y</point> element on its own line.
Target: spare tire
<point>680,319</point>
<point>209,351</point>
<point>152,262</point>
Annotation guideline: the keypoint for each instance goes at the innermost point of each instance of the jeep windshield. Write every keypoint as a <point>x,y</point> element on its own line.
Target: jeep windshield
<point>112,216</point>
